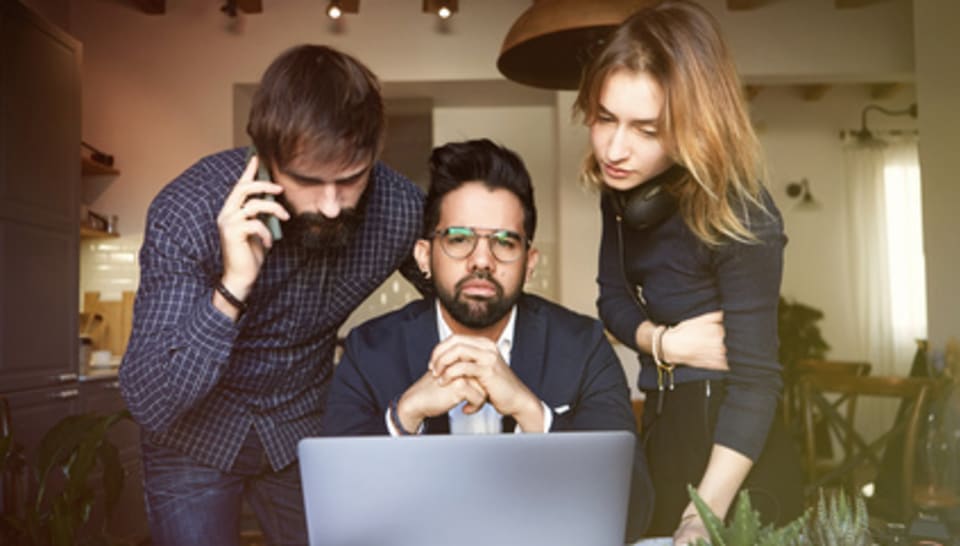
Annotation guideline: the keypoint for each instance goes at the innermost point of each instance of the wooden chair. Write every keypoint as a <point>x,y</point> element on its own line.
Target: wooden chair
<point>814,390</point>
<point>793,402</point>
<point>791,398</point>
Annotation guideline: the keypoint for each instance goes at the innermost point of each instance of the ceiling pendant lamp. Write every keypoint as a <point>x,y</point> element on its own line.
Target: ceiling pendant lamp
<point>550,43</point>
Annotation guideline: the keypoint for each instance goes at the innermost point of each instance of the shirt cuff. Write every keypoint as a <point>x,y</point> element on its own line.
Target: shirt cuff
<point>388,417</point>
<point>547,420</point>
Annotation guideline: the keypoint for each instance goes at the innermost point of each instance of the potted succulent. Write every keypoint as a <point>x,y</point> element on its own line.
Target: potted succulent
<point>834,522</point>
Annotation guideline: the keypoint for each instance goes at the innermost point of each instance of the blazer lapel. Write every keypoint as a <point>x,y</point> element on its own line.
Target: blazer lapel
<point>530,341</point>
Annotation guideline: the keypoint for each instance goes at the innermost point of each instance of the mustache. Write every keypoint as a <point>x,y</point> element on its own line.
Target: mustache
<point>479,275</point>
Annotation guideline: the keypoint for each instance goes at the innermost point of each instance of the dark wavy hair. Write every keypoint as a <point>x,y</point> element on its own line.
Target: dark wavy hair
<point>454,164</point>
<point>317,103</point>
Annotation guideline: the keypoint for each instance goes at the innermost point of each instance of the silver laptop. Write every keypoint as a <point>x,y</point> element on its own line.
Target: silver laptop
<point>566,488</point>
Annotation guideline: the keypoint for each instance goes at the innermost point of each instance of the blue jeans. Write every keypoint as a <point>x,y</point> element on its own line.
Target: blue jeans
<point>190,504</point>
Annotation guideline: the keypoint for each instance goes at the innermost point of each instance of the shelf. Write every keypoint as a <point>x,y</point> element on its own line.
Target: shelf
<point>89,167</point>
<point>90,233</point>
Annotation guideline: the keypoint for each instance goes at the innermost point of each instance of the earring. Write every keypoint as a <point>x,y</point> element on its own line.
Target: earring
<point>426,273</point>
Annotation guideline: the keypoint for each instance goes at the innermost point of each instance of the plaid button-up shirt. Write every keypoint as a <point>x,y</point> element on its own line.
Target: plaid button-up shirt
<point>195,380</point>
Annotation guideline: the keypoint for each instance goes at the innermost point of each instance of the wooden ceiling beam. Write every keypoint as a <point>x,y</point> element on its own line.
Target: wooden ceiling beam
<point>740,5</point>
<point>846,4</point>
<point>152,7</point>
<point>751,91</point>
<point>813,92</point>
<point>250,6</point>
<point>881,91</point>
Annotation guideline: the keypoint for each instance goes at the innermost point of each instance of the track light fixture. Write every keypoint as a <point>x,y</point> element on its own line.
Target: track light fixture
<point>336,8</point>
<point>443,8</point>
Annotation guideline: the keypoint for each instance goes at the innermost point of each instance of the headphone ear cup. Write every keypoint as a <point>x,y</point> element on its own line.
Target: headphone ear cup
<point>647,205</point>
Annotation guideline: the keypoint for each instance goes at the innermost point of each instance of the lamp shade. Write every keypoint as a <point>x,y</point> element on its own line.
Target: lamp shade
<point>550,43</point>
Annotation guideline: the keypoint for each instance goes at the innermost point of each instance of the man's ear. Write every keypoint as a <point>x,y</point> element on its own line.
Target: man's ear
<point>421,253</point>
<point>533,256</point>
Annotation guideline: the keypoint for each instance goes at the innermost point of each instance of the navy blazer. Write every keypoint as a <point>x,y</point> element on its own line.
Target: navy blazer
<point>564,358</point>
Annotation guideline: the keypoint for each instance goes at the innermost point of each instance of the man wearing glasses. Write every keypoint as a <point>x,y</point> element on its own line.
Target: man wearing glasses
<point>483,357</point>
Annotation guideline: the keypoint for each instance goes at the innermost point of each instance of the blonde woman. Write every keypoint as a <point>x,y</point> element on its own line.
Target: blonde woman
<point>688,223</point>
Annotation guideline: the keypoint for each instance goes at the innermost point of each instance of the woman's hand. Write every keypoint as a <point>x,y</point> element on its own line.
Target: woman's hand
<point>691,529</point>
<point>697,342</point>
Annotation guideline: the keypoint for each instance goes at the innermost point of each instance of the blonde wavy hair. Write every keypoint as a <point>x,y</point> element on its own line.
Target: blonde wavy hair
<point>704,124</point>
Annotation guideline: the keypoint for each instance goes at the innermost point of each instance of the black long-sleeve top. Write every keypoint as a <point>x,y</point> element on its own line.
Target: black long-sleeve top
<point>681,278</point>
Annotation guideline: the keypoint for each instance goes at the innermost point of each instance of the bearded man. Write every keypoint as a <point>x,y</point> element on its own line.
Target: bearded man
<point>235,323</point>
<point>482,357</point>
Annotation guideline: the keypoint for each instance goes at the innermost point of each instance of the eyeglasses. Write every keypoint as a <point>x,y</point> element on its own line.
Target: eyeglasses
<point>459,242</point>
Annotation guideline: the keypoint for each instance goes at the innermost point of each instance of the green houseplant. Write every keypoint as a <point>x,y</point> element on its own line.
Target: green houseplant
<point>800,335</point>
<point>835,522</point>
<point>56,484</point>
<point>800,338</point>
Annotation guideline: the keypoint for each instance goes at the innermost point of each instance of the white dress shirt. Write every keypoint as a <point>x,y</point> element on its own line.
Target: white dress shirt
<point>487,420</point>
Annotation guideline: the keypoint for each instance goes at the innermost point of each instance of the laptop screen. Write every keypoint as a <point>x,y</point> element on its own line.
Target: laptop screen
<point>555,489</point>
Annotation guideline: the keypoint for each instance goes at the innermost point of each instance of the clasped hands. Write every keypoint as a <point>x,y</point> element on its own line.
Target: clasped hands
<point>468,368</point>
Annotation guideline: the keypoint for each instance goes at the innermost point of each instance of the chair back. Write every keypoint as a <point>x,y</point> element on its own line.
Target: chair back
<point>914,394</point>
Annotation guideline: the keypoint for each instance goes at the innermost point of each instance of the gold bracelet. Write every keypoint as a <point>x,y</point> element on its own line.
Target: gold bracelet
<point>656,346</point>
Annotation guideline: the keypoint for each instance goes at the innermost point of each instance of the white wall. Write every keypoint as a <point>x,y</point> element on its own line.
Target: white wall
<point>801,140</point>
<point>157,89</point>
<point>158,95</point>
<point>938,89</point>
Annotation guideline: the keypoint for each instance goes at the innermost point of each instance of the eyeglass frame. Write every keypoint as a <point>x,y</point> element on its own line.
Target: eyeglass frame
<point>493,232</point>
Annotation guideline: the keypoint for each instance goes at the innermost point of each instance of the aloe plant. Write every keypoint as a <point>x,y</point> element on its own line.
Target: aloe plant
<point>837,523</point>
<point>59,497</point>
<point>745,528</point>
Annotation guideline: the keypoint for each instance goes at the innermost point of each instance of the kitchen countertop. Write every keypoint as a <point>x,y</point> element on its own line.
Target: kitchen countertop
<point>99,374</point>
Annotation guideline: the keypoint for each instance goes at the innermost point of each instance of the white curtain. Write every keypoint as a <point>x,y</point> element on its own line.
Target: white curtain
<point>904,222</point>
<point>870,281</point>
<point>886,261</point>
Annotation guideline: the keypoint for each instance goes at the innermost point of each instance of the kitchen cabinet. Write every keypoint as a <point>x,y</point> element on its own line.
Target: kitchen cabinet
<point>39,200</point>
<point>39,248</point>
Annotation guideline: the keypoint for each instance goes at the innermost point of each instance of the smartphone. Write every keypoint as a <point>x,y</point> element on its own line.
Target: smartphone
<point>263,173</point>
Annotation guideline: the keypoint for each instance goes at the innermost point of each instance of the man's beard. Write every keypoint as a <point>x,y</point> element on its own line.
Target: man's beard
<point>317,232</point>
<point>477,313</point>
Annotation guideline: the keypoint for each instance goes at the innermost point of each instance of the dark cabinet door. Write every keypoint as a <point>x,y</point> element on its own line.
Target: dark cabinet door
<point>39,200</point>
<point>34,412</point>
<point>38,302</point>
<point>39,120</point>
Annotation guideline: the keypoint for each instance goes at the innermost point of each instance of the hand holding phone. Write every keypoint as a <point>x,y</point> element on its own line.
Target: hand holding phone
<point>269,220</point>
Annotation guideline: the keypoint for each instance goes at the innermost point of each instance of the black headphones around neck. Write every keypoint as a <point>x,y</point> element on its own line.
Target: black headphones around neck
<point>650,203</point>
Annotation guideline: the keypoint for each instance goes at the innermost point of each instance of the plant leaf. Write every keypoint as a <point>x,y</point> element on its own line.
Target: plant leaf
<point>61,440</point>
<point>711,522</point>
<point>113,475</point>
<point>746,522</point>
